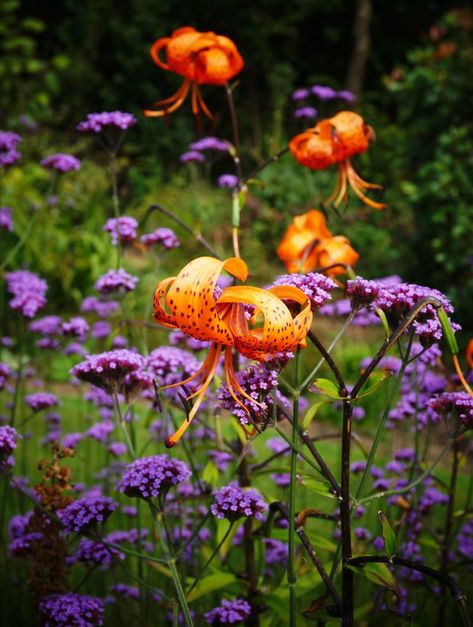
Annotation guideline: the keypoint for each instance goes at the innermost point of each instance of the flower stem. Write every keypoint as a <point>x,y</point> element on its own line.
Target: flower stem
<point>214,553</point>
<point>345,517</point>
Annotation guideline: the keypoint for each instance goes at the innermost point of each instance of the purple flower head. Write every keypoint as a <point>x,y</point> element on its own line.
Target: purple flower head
<point>61,163</point>
<point>101,431</point>
<point>108,370</point>
<point>192,156</point>
<point>405,455</point>
<point>86,513</point>
<point>210,143</point>
<point>22,546</point>
<point>300,94</point>
<point>362,533</point>
<point>228,181</point>
<point>233,502</point>
<point>74,348</point>
<point>221,459</point>
<point>6,221</point>
<point>277,445</point>
<point>163,236</point>
<point>233,612</point>
<point>103,308</point>
<point>18,524</point>
<point>431,497</point>
<point>95,553</point>
<point>357,467</point>
<point>76,327</point>
<point>125,591</point>
<point>305,113</point>
<point>258,382</point>
<point>71,440</point>
<point>121,229</point>
<point>315,286</point>
<point>282,479</point>
<point>171,365</point>
<point>396,300</point>
<point>71,610</point>
<point>8,152</point>
<point>28,292</point>
<point>362,292</point>
<point>119,341</point>
<point>41,400</point>
<point>347,96</point>
<point>8,440</point>
<point>117,449</point>
<point>459,402</point>
<point>48,325</point>
<point>5,374</point>
<point>101,330</point>
<point>116,281</point>
<point>153,476</point>
<point>105,121</point>
<point>323,92</point>
<point>276,551</point>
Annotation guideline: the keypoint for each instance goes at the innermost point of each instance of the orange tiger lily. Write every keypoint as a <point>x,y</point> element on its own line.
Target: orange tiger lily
<point>189,302</point>
<point>202,59</point>
<point>336,140</point>
<point>308,244</point>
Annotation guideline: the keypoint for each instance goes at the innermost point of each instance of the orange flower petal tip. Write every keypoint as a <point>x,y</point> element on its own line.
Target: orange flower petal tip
<point>334,141</point>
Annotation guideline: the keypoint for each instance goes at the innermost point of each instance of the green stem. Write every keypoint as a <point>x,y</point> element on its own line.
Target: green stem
<point>214,553</point>
<point>291,567</point>
<point>20,242</point>
<point>121,420</point>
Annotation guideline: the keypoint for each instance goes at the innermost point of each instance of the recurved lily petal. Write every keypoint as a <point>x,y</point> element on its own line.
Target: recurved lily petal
<point>190,300</point>
<point>279,332</point>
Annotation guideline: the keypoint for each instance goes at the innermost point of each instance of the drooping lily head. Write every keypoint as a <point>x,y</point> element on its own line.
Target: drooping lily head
<point>334,141</point>
<point>308,244</point>
<point>254,321</point>
<point>202,59</point>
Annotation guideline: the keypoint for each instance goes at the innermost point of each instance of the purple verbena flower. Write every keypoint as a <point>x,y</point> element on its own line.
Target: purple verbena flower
<point>347,96</point>
<point>95,553</point>
<point>6,221</point>
<point>192,156</point>
<point>323,92</point>
<point>460,403</point>
<point>116,281</point>
<point>210,143</point>
<point>48,325</point>
<point>117,449</point>
<point>125,591</point>
<point>276,551</point>
<point>153,476</point>
<point>101,330</point>
<point>86,513</point>
<point>362,292</point>
<point>233,502</point>
<point>108,370</point>
<point>28,291</point>
<point>305,113</point>
<point>233,612</point>
<point>8,152</point>
<point>41,400</point>
<point>71,440</point>
<point>121,229</point>
<point>163,236</point>
<point>8,440</point>
<point>316,287</point>
<point>228,181</point>
<point>61,162</point>
<point>5,374</point>
<point>101,431</point>
<point>221,459</point>
<point>103,308</point>
<point>106,120</point>
<point>71,610</point>
<point>300,94</point>
<point>76,327</point>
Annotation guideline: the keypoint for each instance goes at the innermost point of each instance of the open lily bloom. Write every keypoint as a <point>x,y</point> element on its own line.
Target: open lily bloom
<point>308,244</point>
<point>191,303</point>
<point>335,141</point>
<point>202,59</point>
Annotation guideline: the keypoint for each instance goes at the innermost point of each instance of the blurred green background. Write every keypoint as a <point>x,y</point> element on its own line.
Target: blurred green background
<point>410,63</point>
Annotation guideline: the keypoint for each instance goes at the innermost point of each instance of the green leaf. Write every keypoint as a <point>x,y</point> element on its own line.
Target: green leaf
<point>211,584</point>
<point>325,386</point>
<point>319,541</point>
<point>211,474</point>
<point>376,378</point>
<point>319,487</point>
<point>389,537</point>
<point>311,413</point>
<point>379,574</point>
<point>384,321</point>
<point>448,332</point>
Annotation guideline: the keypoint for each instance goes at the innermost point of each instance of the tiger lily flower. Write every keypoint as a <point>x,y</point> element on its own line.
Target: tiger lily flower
<point>308,244</point>
<point>334,141</point>
<point>202,59</point>
<point>190,302</point>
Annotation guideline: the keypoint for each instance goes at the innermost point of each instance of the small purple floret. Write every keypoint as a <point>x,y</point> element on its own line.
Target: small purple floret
<point>233,502</point>
<point>106,120</point>
<point>86,513</point>
<point>153,476</point>
<point>61,163</point>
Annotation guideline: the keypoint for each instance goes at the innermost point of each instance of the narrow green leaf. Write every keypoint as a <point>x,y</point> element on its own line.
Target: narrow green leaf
<point>211,583</point>
<point>376,378</point>
<point>389,537</point>
<point>325,386</point>
<point>311,413</point>
<point>448,332</point>
<point>319,487</point>
<point>210,474</point>
<point>379,574</point>
<point>384,321</point>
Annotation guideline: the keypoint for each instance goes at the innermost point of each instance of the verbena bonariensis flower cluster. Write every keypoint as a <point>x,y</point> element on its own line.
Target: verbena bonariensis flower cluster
<point>278,415</point>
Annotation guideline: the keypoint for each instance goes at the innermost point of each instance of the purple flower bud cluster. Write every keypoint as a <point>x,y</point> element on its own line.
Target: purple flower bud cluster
<point>101,330</point>
<point>258,382</point>
<point>8,152</point>
<point>28,291</point>
<point>121,229</point>
<point>6,220</point>
<point>323,92</point>
<point>48,325</point>
<point>103,308</point>
<point>233,502</point>
<point>221,459</point>
<point>362,292</point>
<point>41,400</point>
<point>170,365</point>
<point>153,476</point>
<point>116,281</point>
<point>125,591</point>
<point>305,113</point>
<point>95,553</point>
<point>71,610</point>
<point>227,181</point>
<point>8,440</point>
<point>316,287</point>
<point>61,163</point>
<point>101,431</point>
<point>76,327</point>
<point>86,513</point>
<point>108,370</point>
<point>106,120</point>
<point>460,403</point>
<point>192,156</point>
<point>233,612</point>
<point>5,374</point>
<point>210,143</point>
<point>465,540</point>
<point>276,551</point>
<point>163,236</point>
